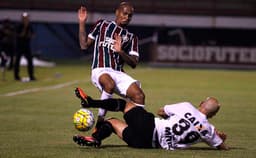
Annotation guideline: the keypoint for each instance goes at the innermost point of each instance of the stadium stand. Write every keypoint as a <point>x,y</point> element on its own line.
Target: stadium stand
<point>199,7</point>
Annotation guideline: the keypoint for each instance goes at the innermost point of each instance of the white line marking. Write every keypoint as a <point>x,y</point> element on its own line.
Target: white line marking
<point>40,89</point>
<point>48,88</point>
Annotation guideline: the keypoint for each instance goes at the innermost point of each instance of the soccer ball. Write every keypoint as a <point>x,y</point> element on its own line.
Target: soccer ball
<point>83,119</point>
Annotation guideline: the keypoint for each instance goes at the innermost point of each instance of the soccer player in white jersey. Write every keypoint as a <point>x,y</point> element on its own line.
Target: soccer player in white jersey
<point>114,45</point>
<point>180,125</point>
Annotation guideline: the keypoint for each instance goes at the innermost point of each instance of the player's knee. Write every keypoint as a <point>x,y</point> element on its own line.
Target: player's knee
<point>139,98</point>
<point>109,87</point>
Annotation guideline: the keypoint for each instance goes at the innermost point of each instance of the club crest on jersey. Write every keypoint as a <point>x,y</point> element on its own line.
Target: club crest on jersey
<point>125,38</point>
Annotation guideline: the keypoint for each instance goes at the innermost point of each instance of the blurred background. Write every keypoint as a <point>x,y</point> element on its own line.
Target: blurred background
<point>199,33</point>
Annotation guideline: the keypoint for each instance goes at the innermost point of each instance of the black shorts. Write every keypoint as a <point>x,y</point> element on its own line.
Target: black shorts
<point>140,128</point>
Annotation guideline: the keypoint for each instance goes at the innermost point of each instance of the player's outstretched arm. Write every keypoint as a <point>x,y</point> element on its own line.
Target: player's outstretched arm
<point>84,41</point>
<point>161,113</point>
<point>223,136</point>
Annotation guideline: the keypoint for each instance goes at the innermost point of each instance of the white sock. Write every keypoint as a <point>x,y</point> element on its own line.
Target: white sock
<point>104,95</point>
<point>141,105</point>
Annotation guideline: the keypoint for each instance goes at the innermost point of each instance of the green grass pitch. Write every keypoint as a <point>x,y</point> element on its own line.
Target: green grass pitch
<point>36,117</point>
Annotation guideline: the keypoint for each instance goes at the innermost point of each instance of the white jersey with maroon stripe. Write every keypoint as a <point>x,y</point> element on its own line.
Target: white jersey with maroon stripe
<point>185,126</point>
<point>103,34</point>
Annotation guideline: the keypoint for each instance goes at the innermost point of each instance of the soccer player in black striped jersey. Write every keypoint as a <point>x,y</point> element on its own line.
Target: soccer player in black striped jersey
<point>114,45</point>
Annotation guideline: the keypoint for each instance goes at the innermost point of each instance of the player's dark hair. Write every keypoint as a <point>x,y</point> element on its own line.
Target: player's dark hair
<point>124,3</point>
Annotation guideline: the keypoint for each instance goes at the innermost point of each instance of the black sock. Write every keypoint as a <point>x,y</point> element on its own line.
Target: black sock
<point>104,130</point>
<point>108,104</point>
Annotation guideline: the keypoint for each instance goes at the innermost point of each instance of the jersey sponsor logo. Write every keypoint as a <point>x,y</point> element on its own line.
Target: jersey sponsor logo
<point>196,123</point>
<point>182,130</point>
<point>108,43</point>
<point>169,137</point>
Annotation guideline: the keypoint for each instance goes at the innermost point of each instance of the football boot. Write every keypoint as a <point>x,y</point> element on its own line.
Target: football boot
<point>82,96</point>
<point>86,141</point>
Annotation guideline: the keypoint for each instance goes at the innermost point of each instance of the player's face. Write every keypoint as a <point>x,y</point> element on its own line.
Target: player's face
<point>124,15</point>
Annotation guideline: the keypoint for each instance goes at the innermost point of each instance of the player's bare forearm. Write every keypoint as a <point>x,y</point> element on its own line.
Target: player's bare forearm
<point>129,59</point>
<point>161,113</point>
<point>222,135</point>
<point>82,36</point>
<point>82,40</point>
<point>82,17</point>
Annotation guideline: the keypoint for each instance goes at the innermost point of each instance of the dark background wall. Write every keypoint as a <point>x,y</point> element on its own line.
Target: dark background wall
<point>181,7</point>
<point>60,39</point>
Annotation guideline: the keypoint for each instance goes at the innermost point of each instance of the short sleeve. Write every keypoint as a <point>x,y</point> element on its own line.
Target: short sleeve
<point>134,47</point>
<point>95,30</point>
<point>212,138</point>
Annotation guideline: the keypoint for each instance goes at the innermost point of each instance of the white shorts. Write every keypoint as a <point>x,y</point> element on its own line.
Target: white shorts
<point>122,80</point>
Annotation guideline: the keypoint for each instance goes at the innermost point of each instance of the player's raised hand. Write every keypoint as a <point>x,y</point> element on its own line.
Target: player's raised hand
<point>118,43</point>
<point>82,14</point>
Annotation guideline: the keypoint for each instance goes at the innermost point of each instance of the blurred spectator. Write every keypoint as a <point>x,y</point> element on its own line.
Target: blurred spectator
<point>7,32</point>
<point>3,60</point>
<point>24,34</point>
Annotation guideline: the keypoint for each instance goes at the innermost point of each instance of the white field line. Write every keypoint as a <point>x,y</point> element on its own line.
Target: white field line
<point>40,89</point>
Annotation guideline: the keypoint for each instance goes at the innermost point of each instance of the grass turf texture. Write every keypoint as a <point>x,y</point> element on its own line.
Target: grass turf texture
<point>39,124</point>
